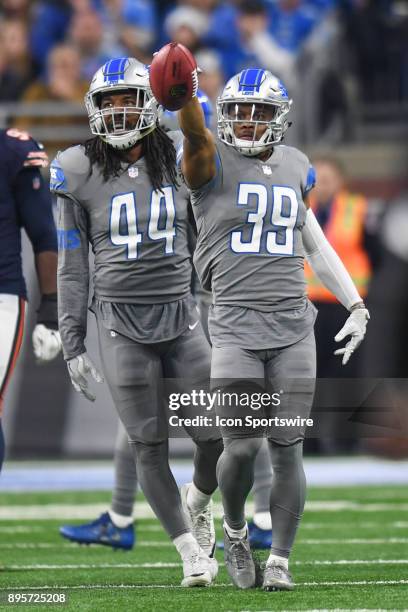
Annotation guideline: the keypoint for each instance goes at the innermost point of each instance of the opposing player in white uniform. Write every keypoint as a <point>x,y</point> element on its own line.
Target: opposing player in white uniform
<point>249,197</point>
<point>120,192</point>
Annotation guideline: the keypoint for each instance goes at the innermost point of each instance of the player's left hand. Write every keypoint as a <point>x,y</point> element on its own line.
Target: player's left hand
<point>355,326</point>
<point>46,343</point>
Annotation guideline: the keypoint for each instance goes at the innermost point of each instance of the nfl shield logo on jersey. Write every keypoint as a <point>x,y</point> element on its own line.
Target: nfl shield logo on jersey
<point>267,169</point>
<point>133,172</point>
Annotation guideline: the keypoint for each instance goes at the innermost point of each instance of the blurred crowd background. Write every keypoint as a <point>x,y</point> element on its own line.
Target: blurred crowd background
<point>345,64</point>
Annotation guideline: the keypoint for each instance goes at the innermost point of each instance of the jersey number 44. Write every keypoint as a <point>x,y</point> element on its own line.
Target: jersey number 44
<point>124,221</point>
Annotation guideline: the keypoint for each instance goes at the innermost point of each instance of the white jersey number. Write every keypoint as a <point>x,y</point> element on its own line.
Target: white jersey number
<point>168,232</point>
<point>256,218</point>
<point>123,221</point>
<point>283,220</point>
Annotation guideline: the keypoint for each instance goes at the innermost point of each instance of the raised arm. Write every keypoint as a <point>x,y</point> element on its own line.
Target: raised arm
<point>198,161</point>
<point>173,76</point>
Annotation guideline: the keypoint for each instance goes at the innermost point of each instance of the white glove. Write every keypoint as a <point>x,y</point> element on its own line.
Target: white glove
<point>79,368</point>
<point>46,343</point>
<point>355,326</point>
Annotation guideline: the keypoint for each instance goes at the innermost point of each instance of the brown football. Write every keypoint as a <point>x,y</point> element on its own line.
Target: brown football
<point>171,77</point>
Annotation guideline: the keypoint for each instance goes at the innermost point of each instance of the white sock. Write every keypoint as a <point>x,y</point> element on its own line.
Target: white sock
<point>196,499</point>
<point>120,520</point>
<point>263,520</point>
<point>281,560</point>
<point>186,544</point>
<point>236,534</point>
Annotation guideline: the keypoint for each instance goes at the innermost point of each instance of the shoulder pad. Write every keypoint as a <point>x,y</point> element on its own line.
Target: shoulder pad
<point>306,171</point>
<point>69,171</point>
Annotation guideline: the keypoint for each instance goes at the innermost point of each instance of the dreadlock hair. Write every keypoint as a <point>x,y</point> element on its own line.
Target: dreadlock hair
<point>157,148</point>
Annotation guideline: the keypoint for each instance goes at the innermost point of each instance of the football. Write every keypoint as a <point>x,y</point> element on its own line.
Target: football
<point>171,76</point>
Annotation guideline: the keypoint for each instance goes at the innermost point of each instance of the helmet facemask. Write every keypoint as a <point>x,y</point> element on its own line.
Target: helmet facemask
<point>122,127</point>
<point>239,121</point>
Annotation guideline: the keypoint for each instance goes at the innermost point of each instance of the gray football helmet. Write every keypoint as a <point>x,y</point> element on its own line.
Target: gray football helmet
<point>121,127</point>
<point>267,103</point>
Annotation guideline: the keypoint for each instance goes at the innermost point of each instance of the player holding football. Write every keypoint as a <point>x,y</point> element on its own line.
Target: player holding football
<point>120,191</point>
<point>249,197</point>
<point>25,203</point>
<point>114,527</point>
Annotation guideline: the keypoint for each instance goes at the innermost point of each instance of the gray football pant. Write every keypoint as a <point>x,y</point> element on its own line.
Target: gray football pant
<point>135,373</point>
<point>125,485</point>
<point>293,370</point>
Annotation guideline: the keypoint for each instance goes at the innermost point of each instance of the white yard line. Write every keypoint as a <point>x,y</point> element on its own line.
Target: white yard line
<point>161,565</point>
<point>168,544</point>
<point>105,587</point>
<point>143,510</point>
<point>159,529</point>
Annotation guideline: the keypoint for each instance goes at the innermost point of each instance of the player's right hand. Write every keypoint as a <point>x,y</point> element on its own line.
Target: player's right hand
<point>79,369</point>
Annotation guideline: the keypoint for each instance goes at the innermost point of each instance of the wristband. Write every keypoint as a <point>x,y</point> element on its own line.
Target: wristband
<point>357,306</point>
<point>47,313</point>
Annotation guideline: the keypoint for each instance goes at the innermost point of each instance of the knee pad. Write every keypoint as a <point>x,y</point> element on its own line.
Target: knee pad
<point>210,447</point>
<point>242,449</point>
<point>150,455</point>
<point>285,456</point>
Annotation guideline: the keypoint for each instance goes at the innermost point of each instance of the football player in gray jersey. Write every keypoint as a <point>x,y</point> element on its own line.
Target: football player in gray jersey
<point>121,193</point>
<point>114,527</point>
<point>249,197</point>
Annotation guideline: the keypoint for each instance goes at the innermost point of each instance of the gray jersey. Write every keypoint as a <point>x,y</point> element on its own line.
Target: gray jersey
<point>249,248</point>
<point>138,237</point>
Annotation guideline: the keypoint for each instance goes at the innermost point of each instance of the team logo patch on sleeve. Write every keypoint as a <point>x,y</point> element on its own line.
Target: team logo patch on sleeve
<point>311,179</point>
<point>57,178</point>
<point>68,239</point>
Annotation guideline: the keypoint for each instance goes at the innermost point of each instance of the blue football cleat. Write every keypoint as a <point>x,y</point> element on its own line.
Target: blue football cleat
<point>101,531</point>
<point>259,538</point>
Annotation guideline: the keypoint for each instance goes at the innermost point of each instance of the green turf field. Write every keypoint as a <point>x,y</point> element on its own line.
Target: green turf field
<point>351,553</point>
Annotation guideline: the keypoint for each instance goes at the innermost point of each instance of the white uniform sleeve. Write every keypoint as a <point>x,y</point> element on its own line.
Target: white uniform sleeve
<point>326,264</point>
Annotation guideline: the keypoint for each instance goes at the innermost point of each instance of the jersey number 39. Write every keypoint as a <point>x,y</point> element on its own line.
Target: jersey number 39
<point>278,242</point>
<point>123,221</point>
